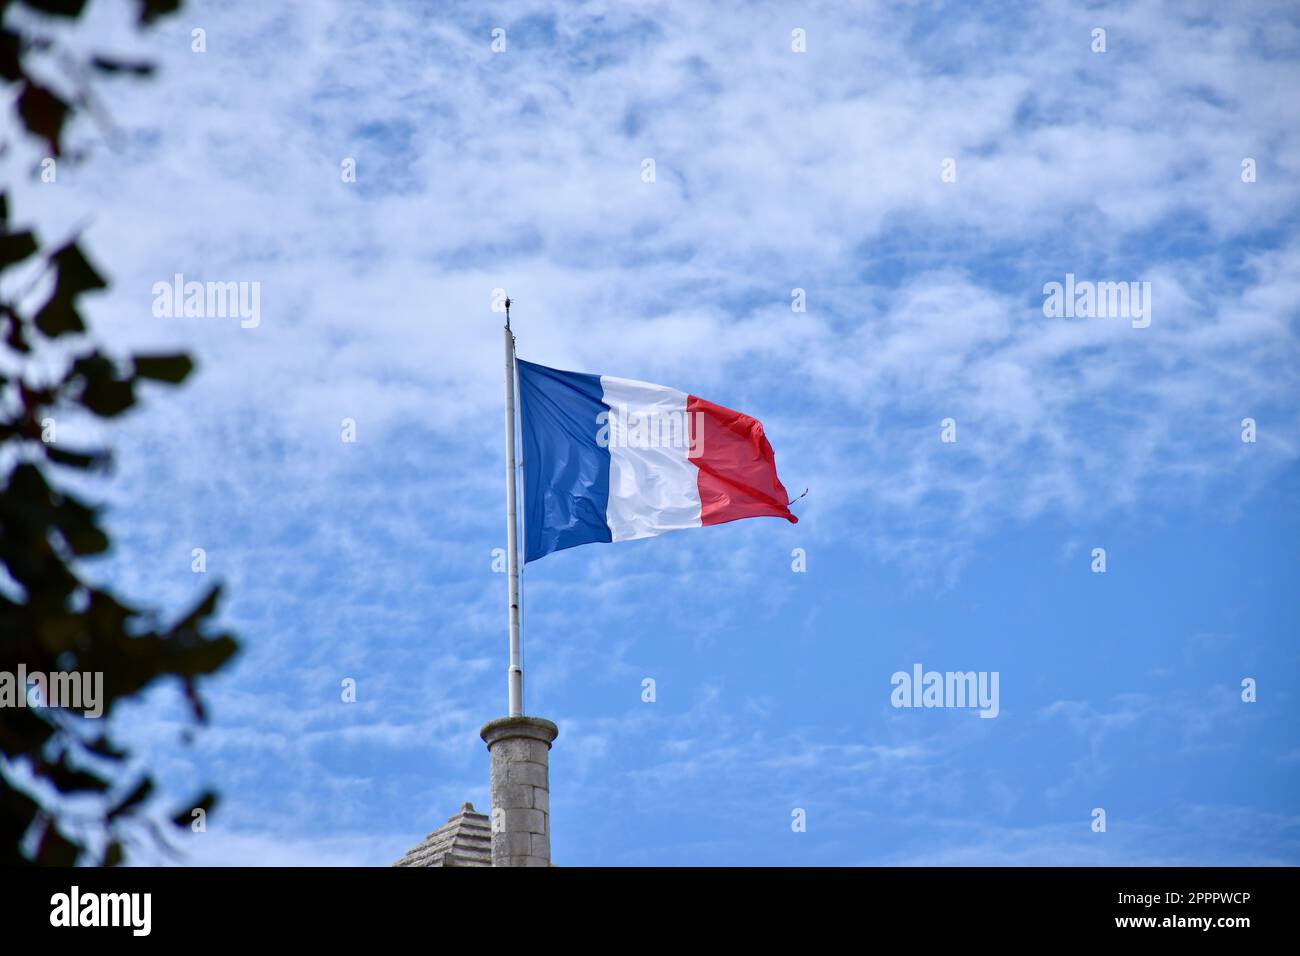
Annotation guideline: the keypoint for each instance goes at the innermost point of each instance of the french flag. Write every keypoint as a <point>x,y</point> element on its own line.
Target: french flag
<point>612,459</point>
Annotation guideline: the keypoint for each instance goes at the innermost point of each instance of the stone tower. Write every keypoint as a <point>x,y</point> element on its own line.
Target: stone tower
<point>519,749</point>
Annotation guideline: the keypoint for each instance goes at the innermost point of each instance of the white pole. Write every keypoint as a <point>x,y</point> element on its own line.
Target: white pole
<point>512,529</point>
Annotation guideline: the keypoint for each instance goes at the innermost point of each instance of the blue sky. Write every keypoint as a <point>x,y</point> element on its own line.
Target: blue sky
<point>775,170</point>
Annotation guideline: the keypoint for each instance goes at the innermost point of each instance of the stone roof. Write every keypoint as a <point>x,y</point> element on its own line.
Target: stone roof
<point>464,840</point>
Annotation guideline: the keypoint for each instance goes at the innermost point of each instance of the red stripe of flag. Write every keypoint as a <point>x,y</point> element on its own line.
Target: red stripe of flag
<point>737,466</point>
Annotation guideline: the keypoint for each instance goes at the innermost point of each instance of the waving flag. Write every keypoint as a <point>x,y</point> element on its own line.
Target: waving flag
<point>612,459</point>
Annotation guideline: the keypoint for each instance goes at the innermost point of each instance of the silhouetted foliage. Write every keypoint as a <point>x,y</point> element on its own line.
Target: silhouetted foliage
<point>51,620</point>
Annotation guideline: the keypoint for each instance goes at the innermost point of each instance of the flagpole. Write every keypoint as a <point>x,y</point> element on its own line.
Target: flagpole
<point>516,678</point>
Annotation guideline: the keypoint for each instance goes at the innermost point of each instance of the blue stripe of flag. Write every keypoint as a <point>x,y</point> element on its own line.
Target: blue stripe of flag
<point>566,474</point>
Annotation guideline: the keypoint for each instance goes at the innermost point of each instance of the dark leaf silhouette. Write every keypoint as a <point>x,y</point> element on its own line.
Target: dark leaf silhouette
<point>164,368</point>
<point>44,112</point>
<point>54,620</point>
